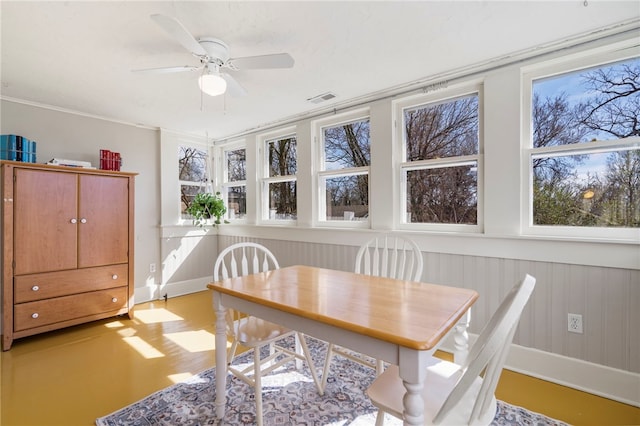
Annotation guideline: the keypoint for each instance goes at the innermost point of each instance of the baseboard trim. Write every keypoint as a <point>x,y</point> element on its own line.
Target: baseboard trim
<point>607,382</point>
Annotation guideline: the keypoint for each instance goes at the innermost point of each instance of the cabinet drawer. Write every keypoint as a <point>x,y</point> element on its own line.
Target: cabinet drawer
<point>62,283</point>
<point>44,312</point>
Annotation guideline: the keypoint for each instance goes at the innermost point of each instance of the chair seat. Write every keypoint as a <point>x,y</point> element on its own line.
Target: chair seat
<point>442,377</point>
<point>252,331</point>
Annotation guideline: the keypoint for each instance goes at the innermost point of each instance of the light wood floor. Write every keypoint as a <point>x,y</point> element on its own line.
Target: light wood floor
<point>73,376</point>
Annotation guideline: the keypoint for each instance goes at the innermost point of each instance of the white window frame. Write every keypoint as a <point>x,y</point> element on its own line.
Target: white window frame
<point>557,67</point>
<point>169,180</point>
<point>223,177</point>
<point>321,174</point>
<point>265,180</point>
<point>403,166</point>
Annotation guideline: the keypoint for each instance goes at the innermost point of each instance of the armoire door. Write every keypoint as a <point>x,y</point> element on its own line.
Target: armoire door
<point>103,220</point>
<point>45,215</point>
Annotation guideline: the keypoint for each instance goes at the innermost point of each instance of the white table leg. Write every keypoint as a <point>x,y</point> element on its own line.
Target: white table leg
<point>221,356</point>
<point>413,372</point>
<point>461,339</point>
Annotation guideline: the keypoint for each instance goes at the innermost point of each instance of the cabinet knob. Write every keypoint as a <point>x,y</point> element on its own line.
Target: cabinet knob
<point>35,288</point>
<point>114,276</point>
<point>35,315</point>
<point>74,220</point>
<point>83,220</point>
<point>114,300</point>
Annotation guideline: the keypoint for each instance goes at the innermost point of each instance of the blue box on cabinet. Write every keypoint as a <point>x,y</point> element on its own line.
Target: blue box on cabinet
<point>17,148</point>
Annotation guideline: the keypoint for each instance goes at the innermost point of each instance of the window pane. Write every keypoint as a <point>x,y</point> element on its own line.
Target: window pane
<point>282,157</point>
<point>236,165</point>
<point>442,195</point>
<point>187,194</point>
<point>600,103</point>
<point>237,202</point>
<point>192,163</point>
<point>600,189</point>
<point>442,130</point>
<point>347,197</point>
<point>347,145</point>
<point>282,200</point>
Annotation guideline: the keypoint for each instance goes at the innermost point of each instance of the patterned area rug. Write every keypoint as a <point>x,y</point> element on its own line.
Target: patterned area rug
<point>289,398</point>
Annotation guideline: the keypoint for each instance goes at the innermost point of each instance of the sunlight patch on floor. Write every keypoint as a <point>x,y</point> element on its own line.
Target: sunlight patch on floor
<point>152,316</point>
<point>193,341</point>
<point>142,347</point>
<point>179,377</point>
<point>114,324</point>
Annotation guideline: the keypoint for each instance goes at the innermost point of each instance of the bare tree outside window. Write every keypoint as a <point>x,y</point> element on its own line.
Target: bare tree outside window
<point>235,185</point>
<point>589,183</point>
<point>281,165</point>
<point>193,175</point>
<point>441,145</point>
<point>345,171</point>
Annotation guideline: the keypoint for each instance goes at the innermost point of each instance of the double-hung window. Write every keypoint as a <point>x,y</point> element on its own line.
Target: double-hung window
<point>279,189</point>
<point>234,180</point>
<point>343,176</point>
<point>583,156</point>
<point>441,161</point>
<point>193,174</point>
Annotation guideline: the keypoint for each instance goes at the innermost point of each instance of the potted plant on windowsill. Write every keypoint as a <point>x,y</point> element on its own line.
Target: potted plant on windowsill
<point>206,206</point>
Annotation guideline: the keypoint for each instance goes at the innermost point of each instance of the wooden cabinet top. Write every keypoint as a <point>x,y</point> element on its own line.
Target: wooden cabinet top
<point>21,164</point>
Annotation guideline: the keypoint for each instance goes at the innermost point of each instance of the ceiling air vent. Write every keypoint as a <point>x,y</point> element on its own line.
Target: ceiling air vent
<point>321,98</point>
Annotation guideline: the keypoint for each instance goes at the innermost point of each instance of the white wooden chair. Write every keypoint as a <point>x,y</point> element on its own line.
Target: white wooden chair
<point>454,394</point>
<point>385,255</point>
<point>254,333</point>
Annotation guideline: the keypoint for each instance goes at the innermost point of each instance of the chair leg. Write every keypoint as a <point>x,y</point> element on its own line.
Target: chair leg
<point>310,363</point>
<point>327,364</point>
<point>379,367</point>
<point>257,387</point>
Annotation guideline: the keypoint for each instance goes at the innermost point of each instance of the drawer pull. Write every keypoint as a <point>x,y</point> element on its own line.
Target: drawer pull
<point>114,276</point>
<point>83,220</point>
<point>114,300</point>
<point>35,315</point>
<point>35,288</point>
<point>74,220</point>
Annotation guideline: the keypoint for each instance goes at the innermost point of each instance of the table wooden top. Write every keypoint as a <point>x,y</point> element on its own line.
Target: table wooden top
<point>410,314</point>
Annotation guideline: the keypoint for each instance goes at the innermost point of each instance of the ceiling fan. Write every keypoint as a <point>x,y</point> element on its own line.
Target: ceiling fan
<point>213,55</point>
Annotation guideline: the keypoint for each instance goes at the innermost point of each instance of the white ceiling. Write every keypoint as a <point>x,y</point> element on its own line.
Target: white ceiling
<point>78,55</point>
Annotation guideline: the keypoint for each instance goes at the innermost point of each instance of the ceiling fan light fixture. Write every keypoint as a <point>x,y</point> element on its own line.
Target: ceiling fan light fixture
<point>212,84</point>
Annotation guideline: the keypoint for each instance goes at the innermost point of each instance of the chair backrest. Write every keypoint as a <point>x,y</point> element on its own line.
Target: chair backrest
<point>390,256</point>
<point>243,259</point>
<point>490,352</point>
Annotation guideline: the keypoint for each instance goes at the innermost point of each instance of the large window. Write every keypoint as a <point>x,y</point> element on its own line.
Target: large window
<point>344,171</point>
<point>193,174</point>
<point>584,155</point>
<point>234,182</point>
<point>441,163</point>
<point>279,189</point>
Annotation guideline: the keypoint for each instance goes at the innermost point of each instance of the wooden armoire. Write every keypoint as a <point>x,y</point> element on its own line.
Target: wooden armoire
<point>67,247</point>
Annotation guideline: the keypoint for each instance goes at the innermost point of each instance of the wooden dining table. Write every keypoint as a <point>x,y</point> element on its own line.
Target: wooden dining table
<point>400,322</point>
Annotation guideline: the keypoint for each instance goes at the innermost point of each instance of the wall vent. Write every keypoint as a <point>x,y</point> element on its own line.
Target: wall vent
<point>321,98</point>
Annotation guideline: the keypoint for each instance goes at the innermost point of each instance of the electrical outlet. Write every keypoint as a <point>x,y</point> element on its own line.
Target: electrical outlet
<point>575,323</point>
<point>152,268</point>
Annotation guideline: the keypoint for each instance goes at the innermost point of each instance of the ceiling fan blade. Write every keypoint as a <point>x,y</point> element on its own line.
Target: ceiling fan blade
<point>164,70</point>
<point>233,87</point>
<point>179,33</point>
<point>277,60</point>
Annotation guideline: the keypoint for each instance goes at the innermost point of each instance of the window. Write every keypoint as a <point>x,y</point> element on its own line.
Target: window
<point>584,148</point>
<point>279,190</point>
<point>344,171</point>
<point>234,182</point>
<point>441,162</point>
<point>193,174</point>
